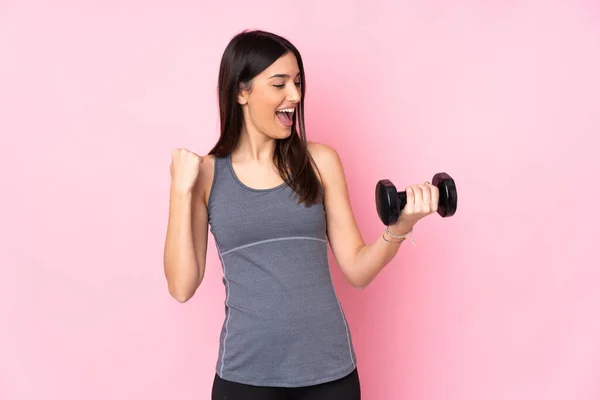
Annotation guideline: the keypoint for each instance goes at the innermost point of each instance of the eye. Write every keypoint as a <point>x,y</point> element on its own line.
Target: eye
<point>279,86</point>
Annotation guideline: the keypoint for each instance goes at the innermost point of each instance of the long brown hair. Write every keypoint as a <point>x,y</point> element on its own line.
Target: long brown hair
<point>247,55</point>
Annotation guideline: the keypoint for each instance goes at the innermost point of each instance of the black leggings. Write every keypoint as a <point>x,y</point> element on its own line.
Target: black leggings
<point>346,388</point>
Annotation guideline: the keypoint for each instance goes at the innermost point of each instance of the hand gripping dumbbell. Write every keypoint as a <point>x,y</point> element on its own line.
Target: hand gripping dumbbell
<point>390,203</point>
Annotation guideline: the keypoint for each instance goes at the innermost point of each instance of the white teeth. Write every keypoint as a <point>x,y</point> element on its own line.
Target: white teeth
<point>289,110</point>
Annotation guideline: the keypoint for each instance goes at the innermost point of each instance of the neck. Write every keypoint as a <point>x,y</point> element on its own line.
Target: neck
<point>253,146</point>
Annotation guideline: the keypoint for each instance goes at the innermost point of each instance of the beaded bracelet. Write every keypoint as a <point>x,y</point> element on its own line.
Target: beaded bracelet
<point>392,241</point>
<point>401,237</point>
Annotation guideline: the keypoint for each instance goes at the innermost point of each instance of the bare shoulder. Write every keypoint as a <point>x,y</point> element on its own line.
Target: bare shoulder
<point>322,152</point>
<point>327,160</point>
<point>206,175</point>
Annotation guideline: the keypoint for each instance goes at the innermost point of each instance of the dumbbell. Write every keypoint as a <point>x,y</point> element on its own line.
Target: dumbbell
<point>390,203</point>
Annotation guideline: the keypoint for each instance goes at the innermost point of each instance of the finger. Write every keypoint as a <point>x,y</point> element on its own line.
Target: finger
<point>198,158</point>
<point>420,204</point>
<point>418,198</point>
<point>435,197</point>
<point>197,155</point>
<point>410,200</point>
<point>426,190</point>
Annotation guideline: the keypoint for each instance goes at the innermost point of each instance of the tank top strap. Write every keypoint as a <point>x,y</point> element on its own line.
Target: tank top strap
<point>221,167</point>
<point>222,173</point>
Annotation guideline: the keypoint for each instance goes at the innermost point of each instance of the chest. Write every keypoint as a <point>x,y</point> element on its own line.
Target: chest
<point>240,217</point>
<point>255,176</point>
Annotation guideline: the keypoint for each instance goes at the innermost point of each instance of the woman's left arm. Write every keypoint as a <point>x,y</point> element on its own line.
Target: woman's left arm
<point>360,263</point>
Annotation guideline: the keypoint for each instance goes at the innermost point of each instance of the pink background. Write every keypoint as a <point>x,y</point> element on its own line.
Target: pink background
<point>500,302</point>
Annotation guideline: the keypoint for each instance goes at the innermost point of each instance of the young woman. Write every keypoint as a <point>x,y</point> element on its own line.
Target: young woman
<point>273,202</point>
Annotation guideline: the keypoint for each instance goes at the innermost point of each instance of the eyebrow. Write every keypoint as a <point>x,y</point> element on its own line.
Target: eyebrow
<point>283,75</point>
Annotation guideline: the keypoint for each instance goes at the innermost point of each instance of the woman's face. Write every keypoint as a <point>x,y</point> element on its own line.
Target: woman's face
<point>274,94</point>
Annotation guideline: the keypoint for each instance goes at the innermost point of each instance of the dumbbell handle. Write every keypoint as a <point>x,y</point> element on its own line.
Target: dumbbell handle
<point>447,194</point>
<point>401,200</point>
<point>391,202</point>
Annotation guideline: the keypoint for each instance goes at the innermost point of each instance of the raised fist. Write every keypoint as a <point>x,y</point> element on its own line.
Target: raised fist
<point>184,169</point>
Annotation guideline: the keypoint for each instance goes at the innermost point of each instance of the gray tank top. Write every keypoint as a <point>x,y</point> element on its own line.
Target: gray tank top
<point>284,325</point>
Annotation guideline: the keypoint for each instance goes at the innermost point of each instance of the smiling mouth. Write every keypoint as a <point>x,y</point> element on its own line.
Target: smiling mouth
<point>285,116</point>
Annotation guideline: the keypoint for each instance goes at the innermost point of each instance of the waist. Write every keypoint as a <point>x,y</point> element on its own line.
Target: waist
<point>285,346</point>
<point>269,310</point>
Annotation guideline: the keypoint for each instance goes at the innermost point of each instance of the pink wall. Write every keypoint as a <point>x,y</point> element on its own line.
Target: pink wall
<point>500,302</point>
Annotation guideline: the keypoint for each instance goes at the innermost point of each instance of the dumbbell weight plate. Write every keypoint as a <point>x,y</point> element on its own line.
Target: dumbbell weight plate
<point>448,200</point>
<point>387,202</point>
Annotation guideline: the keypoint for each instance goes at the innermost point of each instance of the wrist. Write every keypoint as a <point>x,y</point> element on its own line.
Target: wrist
<point>398,233</point>
<point>392,239</point>
<point>180,191</point>
<point>400,228</point>
<point>180,198</point>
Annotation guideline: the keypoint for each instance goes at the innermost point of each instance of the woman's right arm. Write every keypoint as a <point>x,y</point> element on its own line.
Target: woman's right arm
<point>186,239</point>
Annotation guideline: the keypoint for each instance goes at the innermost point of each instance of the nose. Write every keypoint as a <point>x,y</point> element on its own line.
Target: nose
<point>294,93</point>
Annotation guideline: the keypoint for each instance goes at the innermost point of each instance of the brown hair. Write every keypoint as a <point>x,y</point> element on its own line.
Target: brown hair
<point>247,55</point>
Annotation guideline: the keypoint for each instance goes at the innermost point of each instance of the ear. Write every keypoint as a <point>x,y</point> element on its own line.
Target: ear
<point>243,92</point>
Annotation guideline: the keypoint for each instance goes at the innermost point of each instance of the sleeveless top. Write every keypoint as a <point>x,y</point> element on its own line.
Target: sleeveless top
<point>283,325</point>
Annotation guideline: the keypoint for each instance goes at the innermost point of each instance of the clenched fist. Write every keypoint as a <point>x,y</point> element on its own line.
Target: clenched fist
<point>184,169</point>
<point>421,200</point>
